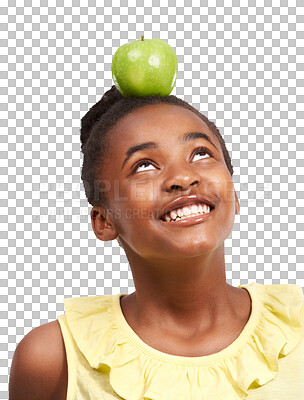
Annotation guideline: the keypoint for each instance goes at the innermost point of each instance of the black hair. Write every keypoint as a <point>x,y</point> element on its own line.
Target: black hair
<point>96,124</point>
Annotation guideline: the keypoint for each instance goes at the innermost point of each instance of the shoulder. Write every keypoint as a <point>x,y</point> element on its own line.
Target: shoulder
<point>39,367</point>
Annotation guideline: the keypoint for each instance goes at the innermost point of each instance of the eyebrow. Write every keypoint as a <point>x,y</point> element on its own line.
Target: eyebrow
<point>187,137</point>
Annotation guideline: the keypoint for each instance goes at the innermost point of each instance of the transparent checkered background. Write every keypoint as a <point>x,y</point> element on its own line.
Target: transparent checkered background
<point>242,66</point>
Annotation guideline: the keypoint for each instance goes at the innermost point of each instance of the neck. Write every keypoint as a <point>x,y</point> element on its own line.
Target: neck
<point>188,295</point>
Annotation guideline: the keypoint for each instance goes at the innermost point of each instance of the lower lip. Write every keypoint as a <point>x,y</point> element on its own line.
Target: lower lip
<point>197,219</point>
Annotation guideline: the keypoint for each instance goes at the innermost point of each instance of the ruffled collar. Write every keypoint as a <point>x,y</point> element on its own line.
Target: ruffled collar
<point>139,372</point>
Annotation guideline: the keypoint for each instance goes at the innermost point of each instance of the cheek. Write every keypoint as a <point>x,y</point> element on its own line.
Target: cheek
<point>142,192</point>
<point>219,184</point>
<point>228,194</point>
<point>131,215</point>
<point>137,199</point>
<point>228,202</point>
<point>222,187</point>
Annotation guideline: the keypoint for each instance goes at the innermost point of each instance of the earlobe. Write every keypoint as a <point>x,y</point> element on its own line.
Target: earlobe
<point>102,224</point>
<point>237,203</point>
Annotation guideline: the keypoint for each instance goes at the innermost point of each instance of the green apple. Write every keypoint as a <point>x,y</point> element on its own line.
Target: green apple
<point>145,67</point>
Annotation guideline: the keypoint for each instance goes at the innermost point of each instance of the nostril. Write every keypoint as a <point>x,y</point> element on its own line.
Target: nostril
<point>179,187</point>
<point>176,187</point>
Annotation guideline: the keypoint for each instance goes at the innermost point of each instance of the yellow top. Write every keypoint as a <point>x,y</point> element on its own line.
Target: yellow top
<point>107,360</point>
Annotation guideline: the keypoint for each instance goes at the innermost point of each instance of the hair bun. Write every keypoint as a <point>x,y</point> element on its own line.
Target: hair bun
<point>95,113</point>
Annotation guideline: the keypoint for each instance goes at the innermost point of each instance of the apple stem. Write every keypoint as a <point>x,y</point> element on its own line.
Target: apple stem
<point>142,37</point>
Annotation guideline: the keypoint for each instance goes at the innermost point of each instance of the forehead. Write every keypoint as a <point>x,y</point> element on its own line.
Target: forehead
<point>163,121</point>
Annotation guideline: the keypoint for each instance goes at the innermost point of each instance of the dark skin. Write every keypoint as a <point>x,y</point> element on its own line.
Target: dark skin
<point>39,367</point>
<point>182,304</point>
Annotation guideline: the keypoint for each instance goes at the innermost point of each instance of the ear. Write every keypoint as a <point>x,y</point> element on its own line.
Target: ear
<point>237,203</point>
<point>102,224</point>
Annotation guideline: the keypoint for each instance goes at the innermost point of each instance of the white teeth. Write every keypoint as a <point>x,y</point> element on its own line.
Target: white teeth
<point>185,212</point>
<point>194,209</point>
<point>173,214</point>
<point>180,212</point>
<point>206,208</point>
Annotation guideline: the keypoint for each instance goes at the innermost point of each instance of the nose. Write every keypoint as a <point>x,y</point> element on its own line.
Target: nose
<point>180,178</point>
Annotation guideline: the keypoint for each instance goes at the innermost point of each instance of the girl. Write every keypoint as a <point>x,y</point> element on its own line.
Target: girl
<point>159,178</point>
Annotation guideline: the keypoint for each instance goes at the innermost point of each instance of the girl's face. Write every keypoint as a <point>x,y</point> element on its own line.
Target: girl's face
<point>153,160</point>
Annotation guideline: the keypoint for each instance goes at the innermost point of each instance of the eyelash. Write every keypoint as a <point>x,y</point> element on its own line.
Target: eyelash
<point>140,163</point>
<point>144,161</point>
<point>199,149</point>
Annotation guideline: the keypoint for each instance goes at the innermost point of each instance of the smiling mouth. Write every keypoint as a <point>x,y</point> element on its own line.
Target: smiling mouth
<point>187,212</point>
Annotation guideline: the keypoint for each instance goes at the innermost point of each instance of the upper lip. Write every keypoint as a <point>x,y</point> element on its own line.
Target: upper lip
<point>183,201</point>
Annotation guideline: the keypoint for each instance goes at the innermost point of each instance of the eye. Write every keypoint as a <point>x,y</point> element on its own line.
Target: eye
<point>144,166</point>
<point>201,153</point>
